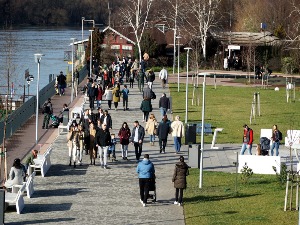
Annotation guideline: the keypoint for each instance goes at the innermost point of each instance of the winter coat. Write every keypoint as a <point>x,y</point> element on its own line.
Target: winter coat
<point>108,121</point>
<point>150,126</point>
<point>147,93</point>
<point>163,130</point>
<point>141,133</point>
<point>145,169</point>
<point>103,138</point>
<point>99,94</point>
<point>177,129</point>
<point>124,135</point>
<point>146,106</point>
<point>92,92</point>
<point>115,98</point>
<point>164,102</point>
<point>108,94</point>
<point>179,177</point>
<point>15,177</point>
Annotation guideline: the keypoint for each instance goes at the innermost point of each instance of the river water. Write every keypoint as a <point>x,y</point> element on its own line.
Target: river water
<point>24,43</point>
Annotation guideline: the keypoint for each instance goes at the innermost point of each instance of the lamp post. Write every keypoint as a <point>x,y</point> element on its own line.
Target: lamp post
<point>82,20</point>
<point>91,52</point>
<point>187,83</point>
<point>72,91</point>
<point>37,58</point>
<point>178,38</point>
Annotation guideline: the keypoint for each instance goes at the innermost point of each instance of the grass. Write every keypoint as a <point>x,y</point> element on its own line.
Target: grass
<point>230,107</point>
<point>260,201</point>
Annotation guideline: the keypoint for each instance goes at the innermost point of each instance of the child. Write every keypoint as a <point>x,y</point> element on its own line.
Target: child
<point>112,148</point>
<point>131,78</point>
<point>258,149</point>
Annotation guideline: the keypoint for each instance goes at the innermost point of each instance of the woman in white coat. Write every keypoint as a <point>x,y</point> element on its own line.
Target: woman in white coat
<point>108,95</point>
<point>16,174</point>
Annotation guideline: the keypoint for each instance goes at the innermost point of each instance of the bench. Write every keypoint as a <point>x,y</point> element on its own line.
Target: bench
<point>28,185</point>
<point>41,165</point>
<point>16,198</point>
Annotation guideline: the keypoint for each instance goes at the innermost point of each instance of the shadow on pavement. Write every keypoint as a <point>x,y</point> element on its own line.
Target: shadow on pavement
<point>43,221</point>
<point>58,192</point>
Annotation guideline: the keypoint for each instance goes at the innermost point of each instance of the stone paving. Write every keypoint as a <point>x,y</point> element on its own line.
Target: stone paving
<point>91,195</point>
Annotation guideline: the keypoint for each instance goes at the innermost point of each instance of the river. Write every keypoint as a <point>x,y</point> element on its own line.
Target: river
<point>24,43</point>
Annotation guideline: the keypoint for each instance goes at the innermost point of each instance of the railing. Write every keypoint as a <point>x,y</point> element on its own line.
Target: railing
<point>20,116</point>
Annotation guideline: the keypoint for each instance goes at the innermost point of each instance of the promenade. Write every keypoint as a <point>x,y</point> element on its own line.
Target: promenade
<point>89,194</point>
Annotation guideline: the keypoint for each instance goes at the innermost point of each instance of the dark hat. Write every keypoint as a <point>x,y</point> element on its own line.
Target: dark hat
<point>181,157</point>
<point>61,72</point>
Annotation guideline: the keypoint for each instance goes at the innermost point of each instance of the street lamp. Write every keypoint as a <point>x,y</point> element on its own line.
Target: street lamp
<point>82,20</point>
<point>187,83</point>
<point>28,80</point>
<point>91,52</point>
<point>72,91</point>
<point>178,38</point>
<point>37,59</point>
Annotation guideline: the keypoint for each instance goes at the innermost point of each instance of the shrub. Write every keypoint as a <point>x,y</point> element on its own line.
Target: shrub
<point>246,173</point>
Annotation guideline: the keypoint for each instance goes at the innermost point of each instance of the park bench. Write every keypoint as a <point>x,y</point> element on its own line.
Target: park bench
<point>16,198</point>
<point>29,188</point>
<point>42,163</point>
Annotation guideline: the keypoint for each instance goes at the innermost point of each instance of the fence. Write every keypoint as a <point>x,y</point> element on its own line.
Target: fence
<point>20,116</point>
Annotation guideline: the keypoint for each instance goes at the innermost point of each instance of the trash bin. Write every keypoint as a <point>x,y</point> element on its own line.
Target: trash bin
<point>194,156</point>
<point>65,116</point>
<point>190,134</point>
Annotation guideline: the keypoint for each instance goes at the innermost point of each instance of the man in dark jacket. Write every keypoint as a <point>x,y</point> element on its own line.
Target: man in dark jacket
<point>102,142</point>
<point>137,138</point>
<point>106,119</point>
<point>85,121</point>
<point>162,132</point>
<point>164,104</point>
<point>61,82</point>
<point>47,111</point>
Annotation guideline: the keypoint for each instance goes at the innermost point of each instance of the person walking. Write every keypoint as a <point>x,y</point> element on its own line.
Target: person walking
<point>131,78</point>
<point>106,119</point>
<point>137,138</point>
<point>151,128</point>
<point>73,144</point>
<point>108,95</point>
<point>177,128</point>
<point>125,93</point>
<point>47,111</point>
<point>100,93</point>
<point>85,121</point>
<point>247,140</point>
<point>92,93</point>
<point>146,171</point>
<point>163,75</point>
<point>124,135</point>
<point>81,144</point>
<point>141,80</point>
<point>116,95</point>
<point>179,179</point>
<point>61,83</point>
<point>164,104</point>
<point>92,146</point>
<point>102,141</point>
<point>146,108</point>
<point>276,138</point>
<point>162,132</point>
<point>150,78</point>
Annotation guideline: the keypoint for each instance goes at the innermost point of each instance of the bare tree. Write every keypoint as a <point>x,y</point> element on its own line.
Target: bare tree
<point>202,17</point>
<point>135,15</point>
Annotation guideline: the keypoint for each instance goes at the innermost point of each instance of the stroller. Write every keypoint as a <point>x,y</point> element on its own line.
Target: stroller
<point>152,189</point>
<point>265,145</point>
<point>55,121</point>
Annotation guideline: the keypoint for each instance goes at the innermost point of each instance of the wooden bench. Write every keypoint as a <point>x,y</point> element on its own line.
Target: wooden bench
<point>28,186</point>
<point>16,199</point>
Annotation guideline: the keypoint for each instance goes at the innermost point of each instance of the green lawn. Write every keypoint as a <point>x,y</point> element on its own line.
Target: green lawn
<point>261,201</point>
<point>230,107</point>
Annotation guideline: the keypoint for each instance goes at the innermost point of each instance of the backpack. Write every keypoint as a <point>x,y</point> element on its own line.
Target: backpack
<point>117,93</point>
<point>153,95</point>
<point>279,135</point>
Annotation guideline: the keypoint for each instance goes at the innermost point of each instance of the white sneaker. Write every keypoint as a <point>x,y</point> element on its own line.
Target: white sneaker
<point>141,201</point>
<point>179,204</point>
<point>144,205</point>
<point>175,203</point>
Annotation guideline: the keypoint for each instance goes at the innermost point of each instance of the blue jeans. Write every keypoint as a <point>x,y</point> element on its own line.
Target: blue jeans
<point>177,143</point>
<point>163,111</point>
<point>98,103</point>
<point>152,137</point>
<point>276,146</point>
<point>244,147</point>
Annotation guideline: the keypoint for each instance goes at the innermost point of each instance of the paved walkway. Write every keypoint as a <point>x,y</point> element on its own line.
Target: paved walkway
<point>92,195</point>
